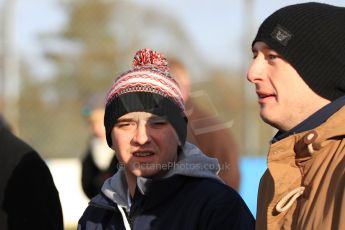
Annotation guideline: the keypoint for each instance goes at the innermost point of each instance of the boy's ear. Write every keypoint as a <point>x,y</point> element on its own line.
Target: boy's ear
<point>112,142</point>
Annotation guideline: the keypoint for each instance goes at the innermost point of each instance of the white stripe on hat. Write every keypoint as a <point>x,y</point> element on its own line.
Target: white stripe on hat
<point>164,84</point>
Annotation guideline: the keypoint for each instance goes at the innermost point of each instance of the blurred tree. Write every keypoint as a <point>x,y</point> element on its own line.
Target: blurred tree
<point>98,38</point>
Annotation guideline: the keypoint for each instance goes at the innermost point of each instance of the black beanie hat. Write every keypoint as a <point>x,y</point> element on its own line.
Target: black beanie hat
<point>147,87</point>
<point>311,37</point>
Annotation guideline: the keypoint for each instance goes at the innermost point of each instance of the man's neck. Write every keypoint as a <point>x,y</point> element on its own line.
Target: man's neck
<point>314,120</point>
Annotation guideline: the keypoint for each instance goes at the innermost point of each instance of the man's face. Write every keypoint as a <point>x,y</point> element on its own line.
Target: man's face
<point>145,144</point>
<point>285,99</point>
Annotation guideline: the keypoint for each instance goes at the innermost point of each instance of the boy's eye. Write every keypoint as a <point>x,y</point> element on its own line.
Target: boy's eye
<point>123,124</point>
<point>158,121</point>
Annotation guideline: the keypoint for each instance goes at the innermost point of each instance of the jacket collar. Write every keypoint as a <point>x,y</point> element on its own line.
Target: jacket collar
<point>332,128</point>
<point>314,120</point>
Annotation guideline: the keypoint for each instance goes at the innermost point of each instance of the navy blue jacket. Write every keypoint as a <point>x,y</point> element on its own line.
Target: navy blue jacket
<point>178,202</point>
<point>28,196</point>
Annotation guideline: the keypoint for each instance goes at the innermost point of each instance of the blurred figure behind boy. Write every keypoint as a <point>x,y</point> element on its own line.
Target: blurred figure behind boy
<point>99,161</point>
<point>218,143</point>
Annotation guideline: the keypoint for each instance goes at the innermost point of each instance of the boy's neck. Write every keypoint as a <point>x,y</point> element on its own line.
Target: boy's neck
<point>131,182</point>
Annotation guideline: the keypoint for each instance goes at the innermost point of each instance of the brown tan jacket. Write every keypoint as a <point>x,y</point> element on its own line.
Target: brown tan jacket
<point>303,187</point>
<point>215,140</point>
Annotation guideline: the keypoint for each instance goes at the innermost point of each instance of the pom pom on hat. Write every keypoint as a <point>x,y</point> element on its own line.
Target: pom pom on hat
<point>147,58</point>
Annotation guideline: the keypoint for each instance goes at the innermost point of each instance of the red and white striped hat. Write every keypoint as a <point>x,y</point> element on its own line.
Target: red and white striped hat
<point>147,87</point>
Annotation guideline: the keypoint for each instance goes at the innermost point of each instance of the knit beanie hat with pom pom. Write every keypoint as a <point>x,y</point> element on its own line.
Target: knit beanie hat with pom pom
<point>147,87</point>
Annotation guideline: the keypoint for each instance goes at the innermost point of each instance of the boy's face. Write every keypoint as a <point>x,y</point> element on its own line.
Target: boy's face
<point>145,144</point>
<point>285,99</point>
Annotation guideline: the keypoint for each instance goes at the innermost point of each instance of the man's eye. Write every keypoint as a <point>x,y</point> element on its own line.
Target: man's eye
<point>272,56</point>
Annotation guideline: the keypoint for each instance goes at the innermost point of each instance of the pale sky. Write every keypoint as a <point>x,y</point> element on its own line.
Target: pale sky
<point>216,27</point>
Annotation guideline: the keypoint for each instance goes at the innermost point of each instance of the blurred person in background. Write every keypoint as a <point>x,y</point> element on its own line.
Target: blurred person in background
<point>4,124</point>
<point>215,142</point>
<point>298,69</point>
<point>165,182</point>
<point>28,196</point>
<point>99,161</point>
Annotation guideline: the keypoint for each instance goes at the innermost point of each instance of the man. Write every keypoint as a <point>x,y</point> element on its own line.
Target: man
<point>298,71</point>
<point>215,140</point>
<point>99,162</point>
<point>28,196</point>
<point>165,183</point>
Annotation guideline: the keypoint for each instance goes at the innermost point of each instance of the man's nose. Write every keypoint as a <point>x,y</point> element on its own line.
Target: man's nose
<point>256,71</point>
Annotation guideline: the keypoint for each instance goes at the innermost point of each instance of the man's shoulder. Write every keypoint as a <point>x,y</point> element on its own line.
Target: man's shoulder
<point>12,144</point>
<point>15,150</point>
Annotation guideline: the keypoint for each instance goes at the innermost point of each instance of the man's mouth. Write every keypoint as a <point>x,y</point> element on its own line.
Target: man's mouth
<point>264,95</point>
